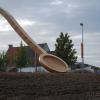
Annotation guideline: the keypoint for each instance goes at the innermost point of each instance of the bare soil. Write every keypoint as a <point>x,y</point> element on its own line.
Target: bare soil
<point>49,86</point>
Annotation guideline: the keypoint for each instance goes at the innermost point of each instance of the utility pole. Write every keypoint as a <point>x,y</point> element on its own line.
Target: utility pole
<point>35,62</point>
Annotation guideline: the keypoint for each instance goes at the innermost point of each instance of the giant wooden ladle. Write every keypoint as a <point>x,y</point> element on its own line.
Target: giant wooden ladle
<point>50,62</point>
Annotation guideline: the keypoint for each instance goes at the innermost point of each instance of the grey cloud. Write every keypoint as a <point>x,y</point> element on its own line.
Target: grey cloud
<point>52,19</point>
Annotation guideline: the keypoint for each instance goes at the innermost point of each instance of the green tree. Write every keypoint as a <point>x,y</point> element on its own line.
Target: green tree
<point>3,61</point>
<point>29,61</point>
<point>21,57</point>
<point>64,49</point>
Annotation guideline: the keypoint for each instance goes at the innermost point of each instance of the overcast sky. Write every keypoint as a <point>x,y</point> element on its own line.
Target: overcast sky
<point>45,19</point>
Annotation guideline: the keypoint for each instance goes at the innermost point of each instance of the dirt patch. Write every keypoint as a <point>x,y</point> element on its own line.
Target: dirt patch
<point>48,86</point>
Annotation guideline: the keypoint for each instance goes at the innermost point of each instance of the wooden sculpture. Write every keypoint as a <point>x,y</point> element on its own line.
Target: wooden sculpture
<point>48,61</point>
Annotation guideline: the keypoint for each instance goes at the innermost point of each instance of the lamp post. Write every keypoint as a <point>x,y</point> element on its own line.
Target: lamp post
<point>82,45</point>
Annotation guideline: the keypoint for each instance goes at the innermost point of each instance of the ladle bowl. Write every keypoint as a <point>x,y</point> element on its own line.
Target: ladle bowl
<point>53,63</point>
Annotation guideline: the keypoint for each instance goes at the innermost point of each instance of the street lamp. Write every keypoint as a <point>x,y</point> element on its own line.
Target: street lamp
<point>82,45</point>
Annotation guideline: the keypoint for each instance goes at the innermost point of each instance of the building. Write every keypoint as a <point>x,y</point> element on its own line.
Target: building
<point>96,69</point>
<point>30,54</point>
<point>78,67</point>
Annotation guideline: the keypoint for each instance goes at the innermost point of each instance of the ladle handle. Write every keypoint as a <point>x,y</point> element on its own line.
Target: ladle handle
<point>11,20</point>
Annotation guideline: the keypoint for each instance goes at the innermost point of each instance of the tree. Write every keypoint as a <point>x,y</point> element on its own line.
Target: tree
<point>3,61</point>
<point>64,49</point>
<point>21,57</point>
